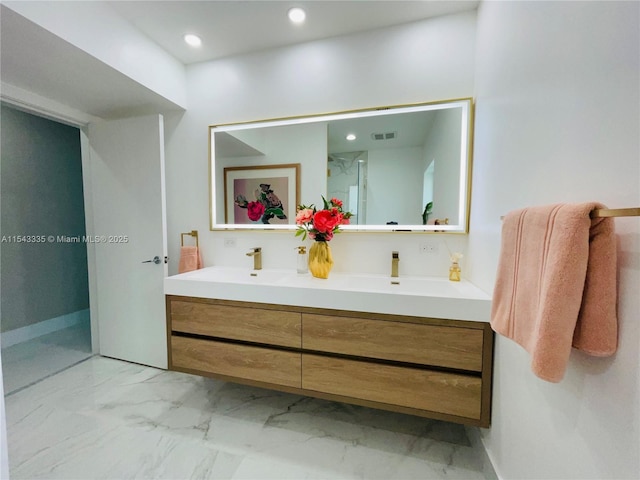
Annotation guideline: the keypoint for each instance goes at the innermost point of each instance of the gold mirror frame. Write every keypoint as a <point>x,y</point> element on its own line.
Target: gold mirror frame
<point>464,181</point>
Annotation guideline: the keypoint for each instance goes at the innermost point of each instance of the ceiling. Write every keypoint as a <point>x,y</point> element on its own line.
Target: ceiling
<point>409,129</point>
<point>38,61</point>
<point>235,27</point>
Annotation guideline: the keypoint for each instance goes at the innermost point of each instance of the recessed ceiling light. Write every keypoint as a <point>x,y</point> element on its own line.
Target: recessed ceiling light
<point>192,40</point>
<point>351,137</point>
<point>296,15</point>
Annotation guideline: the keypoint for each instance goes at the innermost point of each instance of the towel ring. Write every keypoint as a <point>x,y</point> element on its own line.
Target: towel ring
<point>192,233</point>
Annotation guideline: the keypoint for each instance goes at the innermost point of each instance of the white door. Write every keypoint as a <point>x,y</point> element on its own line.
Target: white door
<point>129,229</point>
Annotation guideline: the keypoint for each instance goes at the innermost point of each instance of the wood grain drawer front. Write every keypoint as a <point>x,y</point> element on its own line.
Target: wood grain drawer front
<point>252,363</point>
<point>453,394</point>
<point>452,347</point>
<point>271,327</point>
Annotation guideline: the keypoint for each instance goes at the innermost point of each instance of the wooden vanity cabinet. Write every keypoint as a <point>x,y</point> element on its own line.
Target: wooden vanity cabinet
<point>421,344</point>
<point>246,323</point>
<point>428,367</point>
<point>238,361</point>
<point>234,340</point>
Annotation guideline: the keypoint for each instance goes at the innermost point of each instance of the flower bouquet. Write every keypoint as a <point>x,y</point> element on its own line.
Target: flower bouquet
<point>321,225</point>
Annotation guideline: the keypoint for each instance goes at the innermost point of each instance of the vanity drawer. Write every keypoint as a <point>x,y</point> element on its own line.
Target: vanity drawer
<point>274,327</point>
<point>452,347</point>
<point>243,361</point>
<point>449,393</point>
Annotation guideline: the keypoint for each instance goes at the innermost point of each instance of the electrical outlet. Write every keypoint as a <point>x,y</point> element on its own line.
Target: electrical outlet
<point>230,243</point>
<point>430,248</point>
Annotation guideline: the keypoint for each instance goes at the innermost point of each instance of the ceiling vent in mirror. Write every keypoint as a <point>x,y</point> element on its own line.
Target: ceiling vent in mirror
<point>384,136</point>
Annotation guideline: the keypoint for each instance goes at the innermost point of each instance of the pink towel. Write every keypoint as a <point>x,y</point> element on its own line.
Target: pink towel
<point>556,285</point>
<point>190,259</point>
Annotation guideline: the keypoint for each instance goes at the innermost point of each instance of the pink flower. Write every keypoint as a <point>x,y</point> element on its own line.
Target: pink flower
<point>304,216</point>
<point>328,236</point>
<point>345,221</point>
<point>337,202</point>
<point>255,210</point>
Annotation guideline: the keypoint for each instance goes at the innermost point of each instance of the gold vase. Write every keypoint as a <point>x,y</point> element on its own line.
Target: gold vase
<point>320,259</point>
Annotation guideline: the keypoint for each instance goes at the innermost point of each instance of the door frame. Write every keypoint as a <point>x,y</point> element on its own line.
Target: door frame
<point>37,105</point>
<point>87,191</point>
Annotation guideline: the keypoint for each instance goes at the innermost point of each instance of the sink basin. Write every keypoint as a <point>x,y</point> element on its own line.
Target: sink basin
<point>428,286</point>
<point>433,297</point>
<point>236,275</point>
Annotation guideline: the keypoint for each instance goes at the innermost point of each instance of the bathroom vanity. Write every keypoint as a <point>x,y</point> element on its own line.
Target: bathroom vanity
<point>317,338</point>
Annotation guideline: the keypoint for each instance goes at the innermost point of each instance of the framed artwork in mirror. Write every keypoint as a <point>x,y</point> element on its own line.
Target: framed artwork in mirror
<point>262,194</point>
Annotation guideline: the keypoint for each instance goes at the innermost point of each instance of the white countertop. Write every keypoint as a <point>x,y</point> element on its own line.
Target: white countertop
<point>433,297</point>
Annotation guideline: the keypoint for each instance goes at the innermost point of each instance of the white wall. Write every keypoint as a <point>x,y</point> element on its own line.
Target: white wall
<point>399,169</point>
<point>408,65</point>
<point>443,144</point>
<point>96,29</point>
<point>557,120</point>
<point>4,450</point>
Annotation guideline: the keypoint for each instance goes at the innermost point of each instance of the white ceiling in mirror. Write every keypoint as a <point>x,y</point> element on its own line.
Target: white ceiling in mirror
<point>407,170</point>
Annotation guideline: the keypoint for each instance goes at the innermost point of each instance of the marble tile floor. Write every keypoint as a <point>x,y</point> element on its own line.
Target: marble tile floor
<point>29,362</point>
<point>107,419</point>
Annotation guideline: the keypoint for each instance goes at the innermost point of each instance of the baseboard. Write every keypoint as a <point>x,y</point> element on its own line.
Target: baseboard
<point>475,438</point>
<point>36,330</point>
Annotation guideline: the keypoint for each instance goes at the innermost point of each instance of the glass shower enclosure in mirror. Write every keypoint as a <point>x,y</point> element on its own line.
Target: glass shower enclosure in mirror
<point>404,168</point>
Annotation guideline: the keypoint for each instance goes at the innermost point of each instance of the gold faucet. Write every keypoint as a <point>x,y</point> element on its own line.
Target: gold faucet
<point>395,259</point>
<point>256,253</point>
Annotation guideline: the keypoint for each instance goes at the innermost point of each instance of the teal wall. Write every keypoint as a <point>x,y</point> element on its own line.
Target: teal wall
<point>41,194</point>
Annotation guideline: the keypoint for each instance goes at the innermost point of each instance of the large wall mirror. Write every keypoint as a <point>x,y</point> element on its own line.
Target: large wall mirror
<point>405,168</point>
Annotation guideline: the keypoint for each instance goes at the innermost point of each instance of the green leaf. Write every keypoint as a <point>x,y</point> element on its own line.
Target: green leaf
<point>425,214</point>
<point>278,212</point>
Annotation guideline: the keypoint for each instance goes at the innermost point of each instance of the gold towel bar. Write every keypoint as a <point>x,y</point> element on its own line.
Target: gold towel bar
<point>611,212</point>
<point>192,233</point>
<point>616,212</point>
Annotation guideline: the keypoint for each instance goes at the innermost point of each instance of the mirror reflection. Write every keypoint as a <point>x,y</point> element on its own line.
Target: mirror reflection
<point>395,169</point>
